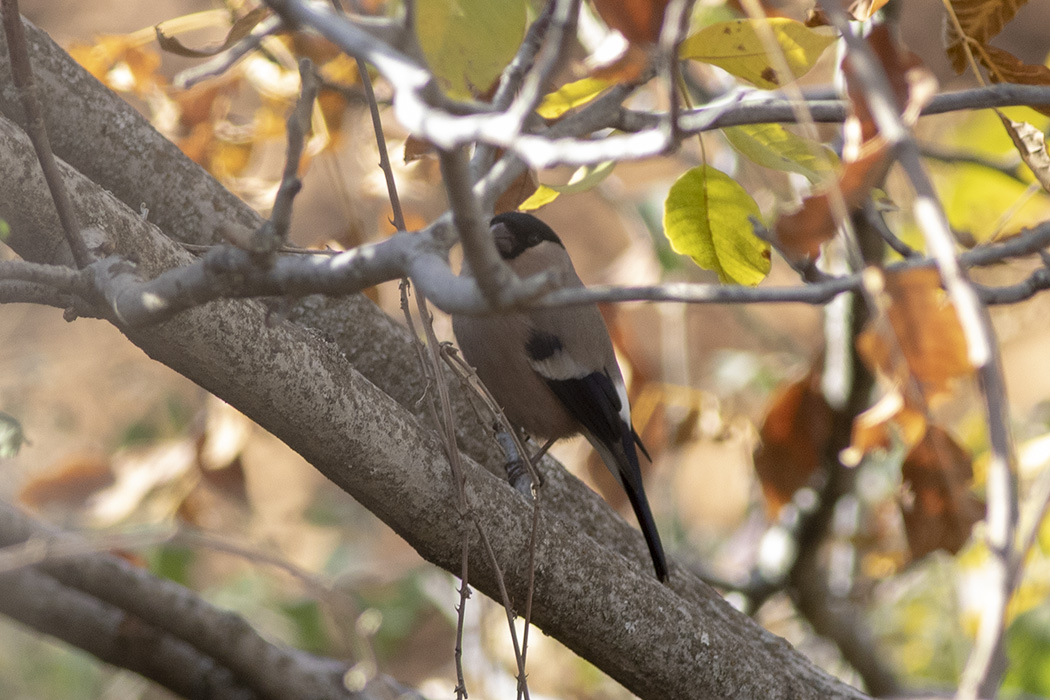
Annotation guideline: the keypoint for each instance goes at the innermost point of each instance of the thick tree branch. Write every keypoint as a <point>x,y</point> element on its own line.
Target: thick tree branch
<point>304,391</point>
<point>125,616</point>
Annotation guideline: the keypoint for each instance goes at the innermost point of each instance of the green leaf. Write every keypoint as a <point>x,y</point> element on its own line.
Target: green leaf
<point>773,146</point>
<point>5,231</point>
<point>1028,647</point>
<point>309,622</point>
<point>708,217</point>
<point>737,48</point>
<point>467,43</point>
<point>582,180</point>
<point>570,96</point>
<point>11,435</point>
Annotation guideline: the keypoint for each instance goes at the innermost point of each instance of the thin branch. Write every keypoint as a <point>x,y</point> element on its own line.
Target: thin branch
<point>511,79</point>
<point>22,74</point>
<point>274,233</point>
<point>981,675</point>
<point>226,272</point>
<point>384,157</point>
<point>1010,167</point>
<point>497,283</point>
<point>562,21</point>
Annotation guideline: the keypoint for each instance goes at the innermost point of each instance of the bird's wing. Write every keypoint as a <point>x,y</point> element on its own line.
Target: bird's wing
<point>589,394</point>
<point>597,399</point>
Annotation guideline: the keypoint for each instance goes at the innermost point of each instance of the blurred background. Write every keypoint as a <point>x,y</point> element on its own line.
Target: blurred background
<point>117,442</point>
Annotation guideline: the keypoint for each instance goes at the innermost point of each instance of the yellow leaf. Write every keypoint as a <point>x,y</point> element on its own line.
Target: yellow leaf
<point>570,96</point>
<point>543,196</point>
<point>709,217</point>
<point>773,146</point>
<point>582,180</point>
<point>976,199</point>
<point>467,43</point>
<point>737,48</point>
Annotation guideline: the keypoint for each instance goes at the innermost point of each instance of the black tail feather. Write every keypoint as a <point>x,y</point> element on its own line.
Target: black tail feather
<point>631,480</point>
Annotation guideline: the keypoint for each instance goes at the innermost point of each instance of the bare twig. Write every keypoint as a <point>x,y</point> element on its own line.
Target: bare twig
<point>562,19</point>
<point>22,73</point>
<point>494,278</point>
<point>274,233</point>
<point>511,79</point>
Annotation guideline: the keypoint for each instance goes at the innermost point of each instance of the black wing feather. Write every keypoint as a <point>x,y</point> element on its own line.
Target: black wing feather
<point>593,401</point>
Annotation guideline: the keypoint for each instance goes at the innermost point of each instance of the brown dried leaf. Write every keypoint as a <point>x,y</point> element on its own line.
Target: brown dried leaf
<point>980,20</point>
<point>240,29</point>
<point>891,419</point>
<point>1004,67</point>
<point>638,20</point>
<point>794,435</point>
<point>903,68</point>
<point>627,68</point>
<point>517,192</point>
<point>865,157</point>
<point>1031,144</point>
<point>69,484</point>
<point>416,148</point>
<point>922,344</point>
<point>799,235</point>
<point>939,510</point>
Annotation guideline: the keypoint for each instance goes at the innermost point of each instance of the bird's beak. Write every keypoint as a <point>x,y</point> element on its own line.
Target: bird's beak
<point>504,240</point>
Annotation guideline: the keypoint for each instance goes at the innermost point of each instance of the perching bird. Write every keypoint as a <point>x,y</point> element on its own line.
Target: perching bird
<point>553,370</point>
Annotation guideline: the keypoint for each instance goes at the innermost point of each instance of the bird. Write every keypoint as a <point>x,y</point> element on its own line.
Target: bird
<point>553,370</point>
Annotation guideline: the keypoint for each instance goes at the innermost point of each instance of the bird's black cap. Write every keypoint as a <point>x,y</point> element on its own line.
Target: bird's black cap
<point>525,232</point>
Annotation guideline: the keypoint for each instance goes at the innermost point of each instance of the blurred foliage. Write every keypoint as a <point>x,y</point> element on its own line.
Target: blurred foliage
<point>701,206</point>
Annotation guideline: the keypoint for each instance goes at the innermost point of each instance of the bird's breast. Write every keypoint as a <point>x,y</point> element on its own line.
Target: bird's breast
<point>495,347</point>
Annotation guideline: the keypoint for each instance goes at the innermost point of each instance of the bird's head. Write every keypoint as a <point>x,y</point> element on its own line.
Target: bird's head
<point>515,232</point>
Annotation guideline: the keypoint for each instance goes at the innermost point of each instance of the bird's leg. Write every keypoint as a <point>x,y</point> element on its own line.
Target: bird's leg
<point>517,469</point>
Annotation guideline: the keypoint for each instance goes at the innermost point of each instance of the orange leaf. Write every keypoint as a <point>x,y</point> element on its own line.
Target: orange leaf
<point>923,341</point>
<point>794,436</point>
<point>69,484</point>
<point>799,235</point>
<point>891,419</point>
<point>939,510</point>
<point>638,20</point>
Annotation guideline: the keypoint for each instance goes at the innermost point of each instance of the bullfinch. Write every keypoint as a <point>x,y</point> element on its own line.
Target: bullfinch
<point>554,371</point>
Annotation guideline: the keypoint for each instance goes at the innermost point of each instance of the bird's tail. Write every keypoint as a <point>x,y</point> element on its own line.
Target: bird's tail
<point>628,473</point>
